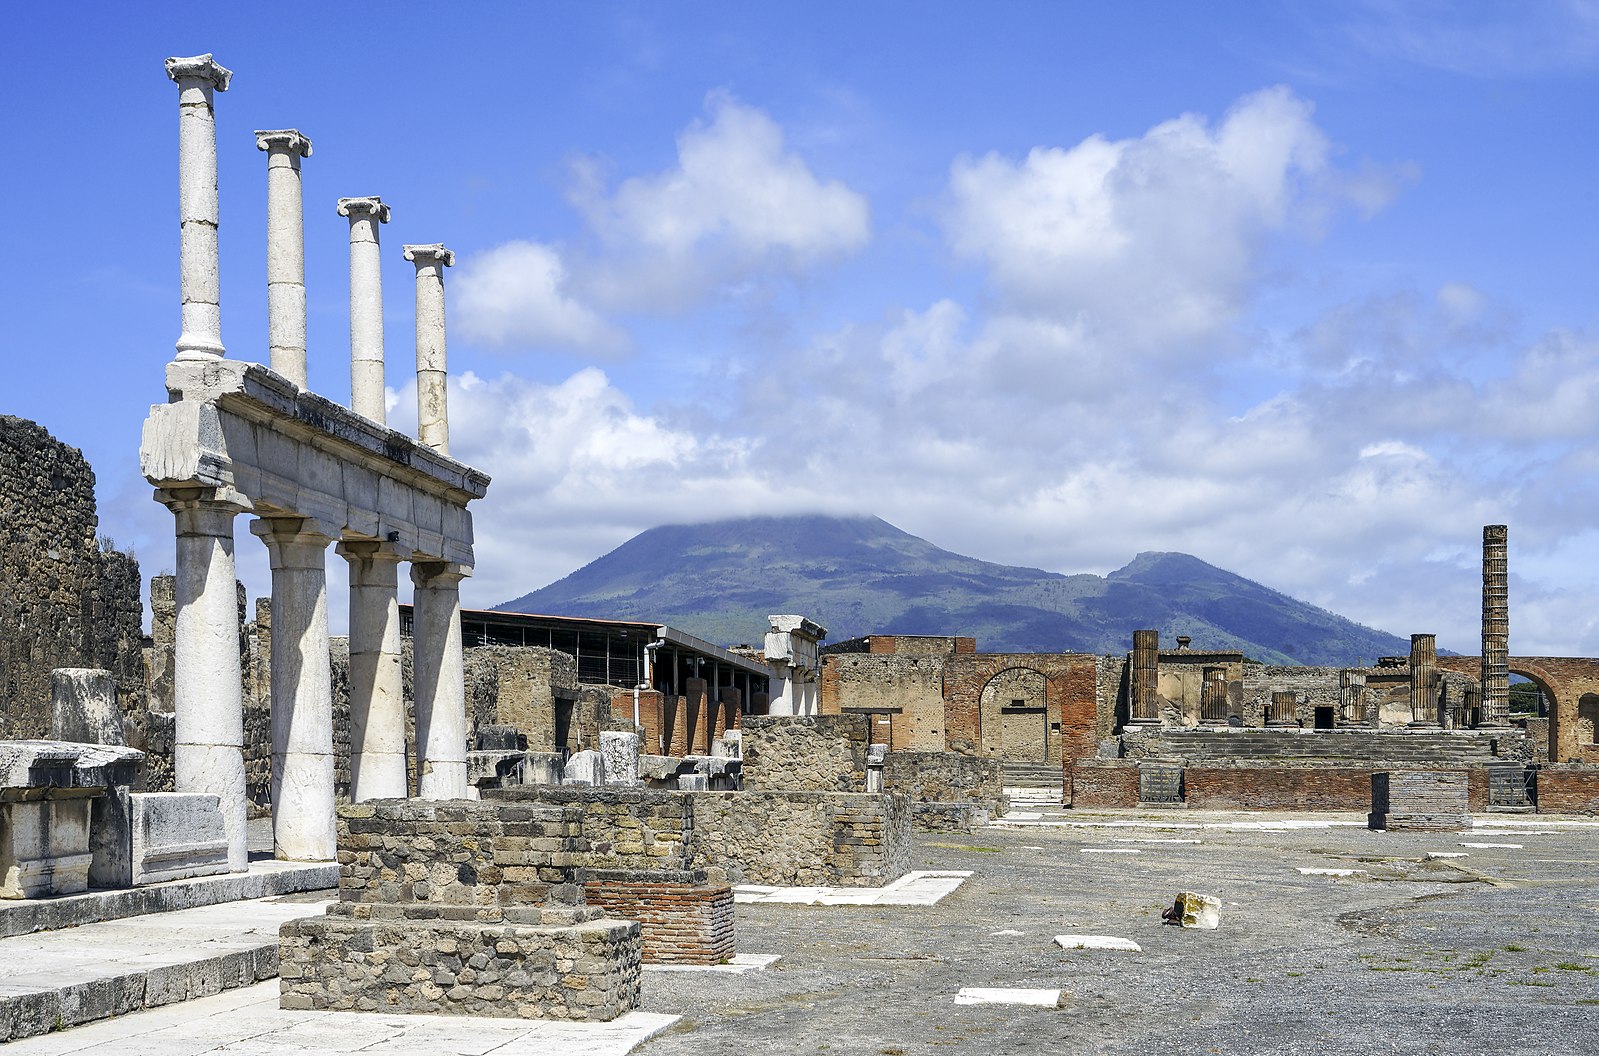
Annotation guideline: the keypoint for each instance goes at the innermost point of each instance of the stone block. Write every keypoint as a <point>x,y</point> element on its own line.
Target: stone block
<point>693,783</point>
<point>1420,800</point>
<point>619,752</point>
<point>177,835</point>
<point>83,707</point>
<point>586,767</point>
<point>1192,910</point>
<point>44,847</point>
<point>543,768</point>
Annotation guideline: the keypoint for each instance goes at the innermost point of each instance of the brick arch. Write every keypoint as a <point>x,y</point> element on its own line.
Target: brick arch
<point>1564,680</point>
<point>1069,699</point>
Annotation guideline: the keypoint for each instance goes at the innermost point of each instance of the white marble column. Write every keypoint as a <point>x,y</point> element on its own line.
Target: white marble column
<point>377,692</point>
<point>432,398</point>
<point>302,691</point>
<point>198,78</point>
<point>438,680</point>
<point>285,250</point>
<point>366,305</point>
<point>207,691</point>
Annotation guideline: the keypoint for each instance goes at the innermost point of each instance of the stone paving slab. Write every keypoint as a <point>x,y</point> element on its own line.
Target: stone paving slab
<point>65,978</point>
<point>248,1022</point>
<point>1009,995</point>
<point>737,965</point>
<point>925,887</point>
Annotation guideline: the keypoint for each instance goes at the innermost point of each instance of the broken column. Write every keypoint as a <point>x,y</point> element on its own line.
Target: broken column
<point>1495,625</point>
<point>198,78</point>
<point>432,397</point>
<point>1281,710</point>
<point>1213,696</point>
<point>1423,680</point>
<point>377,702</point>
<point>1145,678</point>
<point>207,694</point>
<point>1351,696</point>
<point>302,691</point>
<point>366,305</point>
<point>285,251</point>
<point>792,654</point>
<point>439,680</point>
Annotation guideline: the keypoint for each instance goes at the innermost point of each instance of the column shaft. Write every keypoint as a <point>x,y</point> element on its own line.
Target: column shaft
<point>1281,711</point>
<point>439,681</point>
<point>207,691</point>
<point>1423,680</point>
<point>432,396</point>
<point>377,697</point>
<point>1495,625</point>
<point>366,215</point>
<point>198,78</point>
<point>285,251</point>
<point>1144,681</point>
<point>1213,695</point>
<point>302,693</point>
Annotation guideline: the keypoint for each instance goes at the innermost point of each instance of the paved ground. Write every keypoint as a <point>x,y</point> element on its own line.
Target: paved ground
<point>1494,951</point>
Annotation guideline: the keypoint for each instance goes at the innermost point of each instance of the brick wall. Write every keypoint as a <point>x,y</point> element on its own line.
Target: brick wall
<point>1102,783</point>
<point>1313,788</point>
<point>911,687</point>
<point>973,720</point>
<point>1568,790</point>
<point>683,919</point>
<point>819,753</point>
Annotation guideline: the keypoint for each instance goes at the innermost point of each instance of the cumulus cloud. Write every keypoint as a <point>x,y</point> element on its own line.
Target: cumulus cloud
<point>1153,240</point>
<point>517,295</point>
<point>737,201</point>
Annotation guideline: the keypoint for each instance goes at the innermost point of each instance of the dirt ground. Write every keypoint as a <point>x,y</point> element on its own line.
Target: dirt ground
<point>1494,952</point>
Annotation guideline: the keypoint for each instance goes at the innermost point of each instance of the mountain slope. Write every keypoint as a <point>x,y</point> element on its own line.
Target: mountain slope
<point>861,575</point>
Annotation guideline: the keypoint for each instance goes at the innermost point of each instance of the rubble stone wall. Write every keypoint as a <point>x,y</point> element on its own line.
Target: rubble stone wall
<point>816,753</point>
<point>910,687</point>
<point>943,777</point>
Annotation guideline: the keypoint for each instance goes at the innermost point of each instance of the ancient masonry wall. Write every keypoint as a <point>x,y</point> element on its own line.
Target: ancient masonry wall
<point>942,777</point>
<point>64,602</point>
<point>1568,790</point>
<point>1098,783</point>
<point>1345,788</point>
<point>815,753</point>
<point>682,919</point>
<point>909,687</point>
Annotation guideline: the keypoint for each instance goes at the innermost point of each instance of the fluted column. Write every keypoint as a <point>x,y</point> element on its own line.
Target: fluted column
<point>366,305</point>
<point>432,395</point>
<point>1213,696</point>
<point>302,691</point>
<point>438,680</point>
<point>285,250</point>
<point>1352,696</point>
<point>1423,680</point>
<point>1495,625</point>
<point>198,78</point>
<point>1145,678</point>
<point>377,692</point>
<point>207,693</point>
<point>1281,711</point>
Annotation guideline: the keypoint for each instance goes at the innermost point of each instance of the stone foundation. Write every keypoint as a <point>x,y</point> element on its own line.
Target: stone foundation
<point>683,919</point>
<point>1419,801</point>
<point>948,792</point>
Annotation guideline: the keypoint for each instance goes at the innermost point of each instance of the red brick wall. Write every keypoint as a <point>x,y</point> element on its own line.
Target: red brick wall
<point>1567,678</point>
<point>1562,791</point>
<point>1345,788</point>
<point>1068,699</point>
<point>1102,783</point>
<point>679,923</point>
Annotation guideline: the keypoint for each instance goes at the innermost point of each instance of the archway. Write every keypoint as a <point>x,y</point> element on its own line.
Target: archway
<point>1588,719</point>
<point>1015,721</point>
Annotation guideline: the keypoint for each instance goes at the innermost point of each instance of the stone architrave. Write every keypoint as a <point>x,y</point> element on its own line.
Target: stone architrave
<point>432,394</point>
<point>792,654</point>
<point>302,690</point>
<point>198,78</point>
<point>377,700</point>
<point>366,305</point>
<point>285,250</point>
<point>439,680</point>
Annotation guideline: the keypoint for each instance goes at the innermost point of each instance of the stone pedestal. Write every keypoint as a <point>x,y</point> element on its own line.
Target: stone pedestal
<point>1420,801</point>
<point>64,817</point>
<point>177,835</point>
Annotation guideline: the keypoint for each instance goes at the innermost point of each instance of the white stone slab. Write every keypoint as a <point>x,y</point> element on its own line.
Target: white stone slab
<point>741,963</point>
<point>1307,870</point>
<point>1506,846</point>
<point>1108,850</point>
<point>1020,815</point>
<point>1006,931</point>
<point>1447,854</point>
<point>1150,839</point>
<point>1097,942</point>
<point>925,887</point>
<point>1002,995</point>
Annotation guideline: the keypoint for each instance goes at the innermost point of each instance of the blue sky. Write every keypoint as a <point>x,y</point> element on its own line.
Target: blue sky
<point>1306,290</point>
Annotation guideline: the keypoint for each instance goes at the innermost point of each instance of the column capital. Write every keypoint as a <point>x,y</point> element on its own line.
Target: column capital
<point>287,139</point>
<point>199,68</point>
<point>293,542</point>
<point>370,550</point>
<point>432,253</point>
<point>361,208</point>
<point>438,573</point>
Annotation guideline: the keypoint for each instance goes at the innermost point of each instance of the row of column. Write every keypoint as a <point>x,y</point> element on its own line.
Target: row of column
<point>199,78</point>
<point>207,692</point>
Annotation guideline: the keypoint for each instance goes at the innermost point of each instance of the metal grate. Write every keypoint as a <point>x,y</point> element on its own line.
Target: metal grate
<point>1160,784</point>
<point>1510,786</point>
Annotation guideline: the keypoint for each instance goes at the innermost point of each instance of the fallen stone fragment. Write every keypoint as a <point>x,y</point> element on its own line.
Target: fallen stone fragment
<point>1001,995</point>
<point>1006,931</point>
<point>1096,942</point>
<point>1193,910</point>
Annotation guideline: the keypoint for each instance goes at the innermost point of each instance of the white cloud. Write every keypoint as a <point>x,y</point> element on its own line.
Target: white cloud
<point>738,201</point>
<point>517,294</point>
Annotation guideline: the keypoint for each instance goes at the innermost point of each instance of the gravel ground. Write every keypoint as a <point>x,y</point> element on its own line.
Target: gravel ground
<point>1498,951</point>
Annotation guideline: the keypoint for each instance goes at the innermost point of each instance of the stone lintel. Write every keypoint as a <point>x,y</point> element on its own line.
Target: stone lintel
<point>797,625</point>
<point>289,139</point>
<point>432,253</point>
<point>200,68</point>
<point>371,206</point>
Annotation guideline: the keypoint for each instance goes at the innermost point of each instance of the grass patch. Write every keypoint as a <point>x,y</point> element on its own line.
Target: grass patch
<point>1513,948</point>
<point>1573,966</point>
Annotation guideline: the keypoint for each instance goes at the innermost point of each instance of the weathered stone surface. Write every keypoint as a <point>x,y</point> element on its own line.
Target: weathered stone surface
<point>585,768</point>
<point>1420,800</point>
<point>1192,910</point>
<point>619,752</point>
<point>83,706</point>
<point>177,835</point>
<point>814,753</point>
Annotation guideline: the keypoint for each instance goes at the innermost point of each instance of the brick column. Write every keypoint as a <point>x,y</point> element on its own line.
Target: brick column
<point>198,78</point>
<point>285,251</point>
<point>1495,625</point>
<point>207,691</point>
<point>439,680</point>
<point>1423,680</point>
<point>1145,678</point>
<point>302,691</point>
